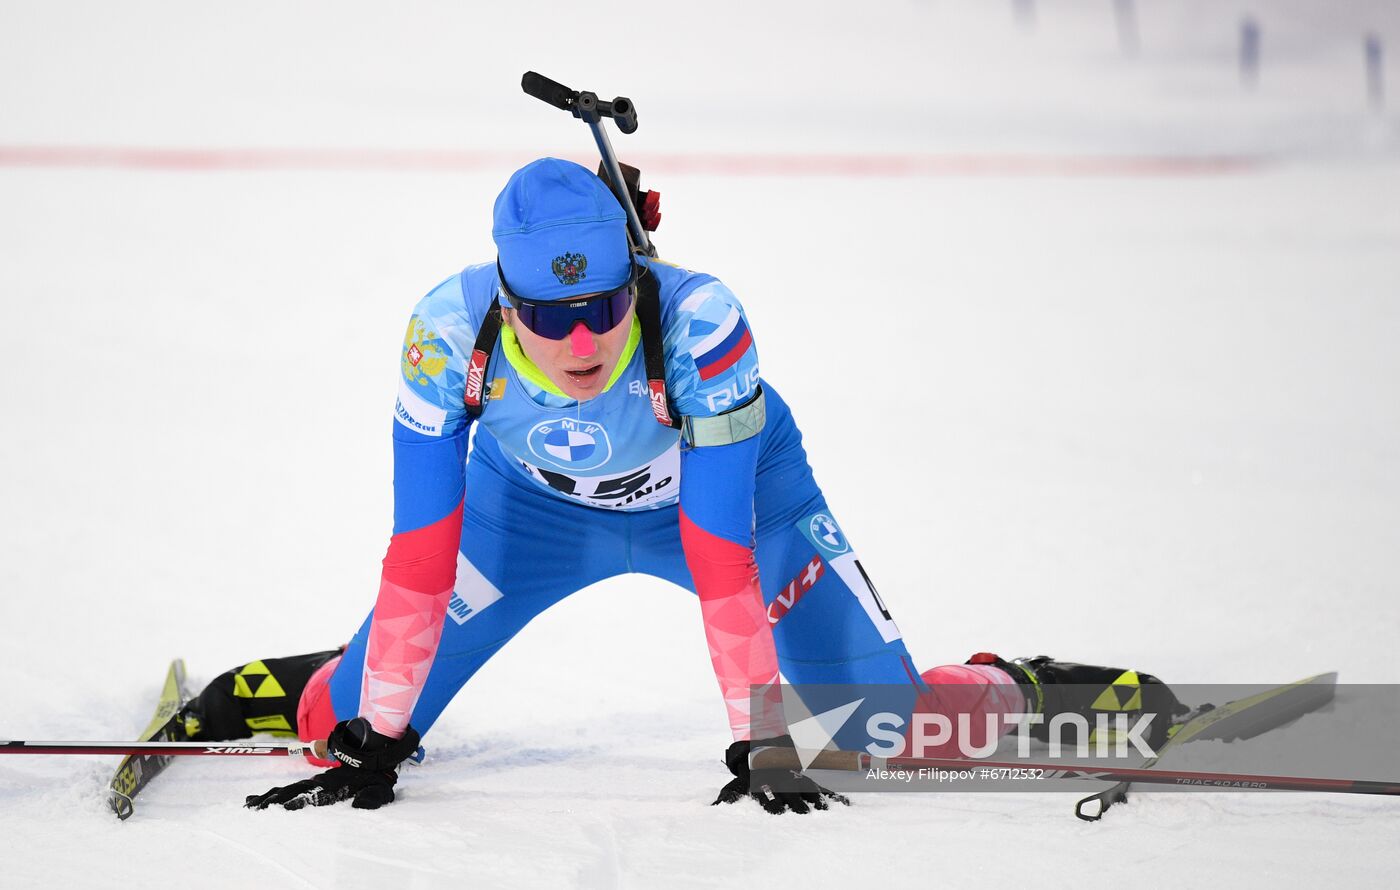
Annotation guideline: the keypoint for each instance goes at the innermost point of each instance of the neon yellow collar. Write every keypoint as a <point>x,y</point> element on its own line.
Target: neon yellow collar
<point>528,370</point>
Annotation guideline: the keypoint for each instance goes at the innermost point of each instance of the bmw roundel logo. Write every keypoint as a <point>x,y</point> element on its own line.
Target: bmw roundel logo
<point>570,444</point>
<point>825,531</point>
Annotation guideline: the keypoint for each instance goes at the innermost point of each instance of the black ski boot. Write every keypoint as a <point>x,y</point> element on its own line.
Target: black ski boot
<point>1060,687</point>
<point>261,696</point>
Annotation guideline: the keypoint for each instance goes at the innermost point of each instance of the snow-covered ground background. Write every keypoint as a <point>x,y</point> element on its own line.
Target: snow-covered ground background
<point>1126,389</point>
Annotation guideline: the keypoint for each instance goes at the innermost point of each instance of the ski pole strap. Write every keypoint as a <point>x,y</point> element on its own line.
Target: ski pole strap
<point>481,356</point>
<point>649,315</point>
<point>734,425</point>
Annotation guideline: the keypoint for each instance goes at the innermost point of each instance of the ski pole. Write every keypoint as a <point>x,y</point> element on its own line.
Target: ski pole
<point>588,108</point>
<point>850,761</point>
<point>167,749</point>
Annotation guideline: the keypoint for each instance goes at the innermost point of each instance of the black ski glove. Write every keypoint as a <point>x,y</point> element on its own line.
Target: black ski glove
<point>366,774</point>
<point>776,790</point>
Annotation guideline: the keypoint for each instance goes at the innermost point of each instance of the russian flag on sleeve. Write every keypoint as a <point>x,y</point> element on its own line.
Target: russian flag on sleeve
<point>719,351</point>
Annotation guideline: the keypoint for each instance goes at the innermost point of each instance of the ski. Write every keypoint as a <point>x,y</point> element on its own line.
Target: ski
<point>1242,718</point>
<point>137,770</point>
<point>1238,719</point>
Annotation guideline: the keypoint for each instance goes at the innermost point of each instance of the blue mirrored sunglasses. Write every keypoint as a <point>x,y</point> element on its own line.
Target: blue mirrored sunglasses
<point>554,319</point>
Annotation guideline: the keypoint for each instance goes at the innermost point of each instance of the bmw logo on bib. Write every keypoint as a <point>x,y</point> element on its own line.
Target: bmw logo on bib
<point>571,444</point>
<point>826,535</point>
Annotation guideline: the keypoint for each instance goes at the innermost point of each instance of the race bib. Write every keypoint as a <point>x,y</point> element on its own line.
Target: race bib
<point>650,484</point>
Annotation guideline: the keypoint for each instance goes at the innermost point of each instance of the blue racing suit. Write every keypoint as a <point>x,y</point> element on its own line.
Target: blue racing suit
<point>554,495</point>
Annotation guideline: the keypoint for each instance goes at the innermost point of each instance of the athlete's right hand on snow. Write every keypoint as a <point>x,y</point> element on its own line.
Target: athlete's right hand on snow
<point>776,790</point>
<point>366,775</point>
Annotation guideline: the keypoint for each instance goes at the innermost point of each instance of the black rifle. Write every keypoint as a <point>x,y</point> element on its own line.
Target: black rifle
<point>625,182</point>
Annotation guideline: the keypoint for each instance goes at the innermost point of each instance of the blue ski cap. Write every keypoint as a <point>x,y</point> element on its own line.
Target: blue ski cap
<point>560,233</point>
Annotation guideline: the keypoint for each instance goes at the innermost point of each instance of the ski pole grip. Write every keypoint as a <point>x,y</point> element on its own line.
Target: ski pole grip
<point>547,90</point>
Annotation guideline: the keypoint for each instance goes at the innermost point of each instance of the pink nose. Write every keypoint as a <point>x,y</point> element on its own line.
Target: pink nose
<point>581,340</point>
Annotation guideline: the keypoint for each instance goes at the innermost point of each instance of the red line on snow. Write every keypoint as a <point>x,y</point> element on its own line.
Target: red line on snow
<point>200,159</point>
<point>909,165</point>
<point>729,164</point>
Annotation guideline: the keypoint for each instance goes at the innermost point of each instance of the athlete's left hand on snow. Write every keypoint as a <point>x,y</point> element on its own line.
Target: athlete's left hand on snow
<point>778,790</point>
<point>366,775</point>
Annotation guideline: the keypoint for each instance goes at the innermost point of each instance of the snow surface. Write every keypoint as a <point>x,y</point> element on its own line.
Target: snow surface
<point>1141,419</point>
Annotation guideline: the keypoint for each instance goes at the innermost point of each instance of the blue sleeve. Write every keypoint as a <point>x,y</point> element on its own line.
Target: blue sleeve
<point>431,425</point>
<point>717,487</point>
<point>712,367</point>
<point>429,476</point>
<point>711,360</point>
